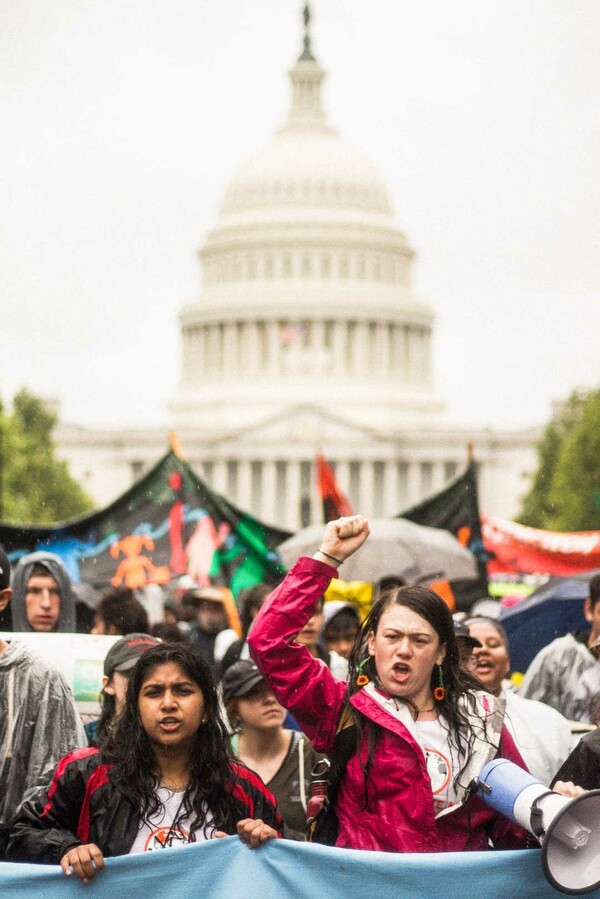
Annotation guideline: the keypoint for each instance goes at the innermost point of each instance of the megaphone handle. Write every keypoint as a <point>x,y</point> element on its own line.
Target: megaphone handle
<point>537,826</point>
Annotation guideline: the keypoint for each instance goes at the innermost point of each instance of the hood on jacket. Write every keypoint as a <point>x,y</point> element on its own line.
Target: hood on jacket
<point>21,575</point>
<point>333,608</point>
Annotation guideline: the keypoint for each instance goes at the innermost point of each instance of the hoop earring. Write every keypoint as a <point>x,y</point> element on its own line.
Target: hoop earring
<point>362,679</point>
<point>440,690</point>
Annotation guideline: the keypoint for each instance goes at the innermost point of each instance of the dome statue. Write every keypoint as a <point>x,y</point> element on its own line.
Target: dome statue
<point>306,277</point>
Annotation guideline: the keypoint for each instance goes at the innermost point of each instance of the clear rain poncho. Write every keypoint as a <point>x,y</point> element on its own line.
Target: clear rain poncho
<point>39,724</point>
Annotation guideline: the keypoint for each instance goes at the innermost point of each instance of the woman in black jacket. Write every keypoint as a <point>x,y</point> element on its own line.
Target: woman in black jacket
<point>163,778</point>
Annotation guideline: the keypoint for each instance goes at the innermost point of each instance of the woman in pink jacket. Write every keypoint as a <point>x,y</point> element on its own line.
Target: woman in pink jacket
<point>420,728</point>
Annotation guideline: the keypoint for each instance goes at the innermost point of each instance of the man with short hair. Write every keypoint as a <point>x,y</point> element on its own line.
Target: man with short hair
<point>120,613</point>
<point>38,719</point>
<point>43,600</point>
<point>561,673</point>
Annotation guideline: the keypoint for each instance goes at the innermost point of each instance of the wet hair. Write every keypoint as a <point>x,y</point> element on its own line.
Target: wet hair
<point>344,620</point>
<point>130,749</point>
<point>485,619</point>
<point>107,716</point>
<point>460,687</point>
<point>594,709</point>
<point>594,590</point>
<point>120,609</point>
<point>40,570</point>
<point>167,632</point>
<point>250,600</point>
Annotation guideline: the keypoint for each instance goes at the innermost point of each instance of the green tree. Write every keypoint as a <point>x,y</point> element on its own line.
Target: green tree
<point>35,486</point>
<point>575,490</point>
<point>565,493</point>
<point>538,509</point>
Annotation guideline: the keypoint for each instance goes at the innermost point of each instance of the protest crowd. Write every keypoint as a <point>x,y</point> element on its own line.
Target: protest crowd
<point>278,715</point>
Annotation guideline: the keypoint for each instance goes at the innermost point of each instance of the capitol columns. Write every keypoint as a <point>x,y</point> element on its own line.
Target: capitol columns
<point>273,349</point>
<point>244,497</point>
<point>219,478</point>
<point>231,358</point>
<point>390,492</point>
<point>292,505</point>
<point>338,350</point>
<point>268,511</point>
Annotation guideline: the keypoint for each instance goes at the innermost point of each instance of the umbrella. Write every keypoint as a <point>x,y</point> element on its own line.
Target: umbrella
<point>395,548</point>
<point>551,611</point>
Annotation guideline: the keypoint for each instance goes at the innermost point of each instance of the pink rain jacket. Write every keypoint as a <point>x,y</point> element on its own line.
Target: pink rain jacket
<point>399,816</point>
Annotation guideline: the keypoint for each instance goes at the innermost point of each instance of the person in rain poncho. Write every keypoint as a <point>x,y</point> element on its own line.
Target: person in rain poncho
<point>38,719</point>
<point>43,600</point>
<point>563,673</point>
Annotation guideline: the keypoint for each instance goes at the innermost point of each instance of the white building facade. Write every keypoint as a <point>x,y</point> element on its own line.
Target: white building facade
<point>308,335</point>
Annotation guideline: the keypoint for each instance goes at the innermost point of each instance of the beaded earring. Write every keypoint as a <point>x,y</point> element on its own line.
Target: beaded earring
<point>440,690</point>
<point>362,678</point>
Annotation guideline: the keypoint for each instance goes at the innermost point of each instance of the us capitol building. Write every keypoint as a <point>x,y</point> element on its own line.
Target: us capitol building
<point>307,335</point>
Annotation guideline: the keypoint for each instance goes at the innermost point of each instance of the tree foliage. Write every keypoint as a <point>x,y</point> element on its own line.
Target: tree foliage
<point>565,493</point>
<point>35,486</point>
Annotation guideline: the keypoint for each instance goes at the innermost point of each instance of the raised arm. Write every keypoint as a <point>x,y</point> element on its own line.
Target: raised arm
<point>304,684</point>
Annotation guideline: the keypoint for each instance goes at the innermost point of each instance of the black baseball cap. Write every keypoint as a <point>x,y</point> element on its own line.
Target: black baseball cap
<point>461,631</point>
<point>123,655</point>
<point>240,679</point>
<point>4,570</point>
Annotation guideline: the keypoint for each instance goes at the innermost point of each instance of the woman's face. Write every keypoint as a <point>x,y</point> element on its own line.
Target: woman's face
<point>406,648</point>
<point>171,706</point>
<point>492,662</point>
<point>259,710</point>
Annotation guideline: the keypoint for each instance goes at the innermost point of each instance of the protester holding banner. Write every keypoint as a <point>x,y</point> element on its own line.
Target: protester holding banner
<point>162,779</point>
<point>541,734</point>
<point>412,727</point>
<point>283,758</point>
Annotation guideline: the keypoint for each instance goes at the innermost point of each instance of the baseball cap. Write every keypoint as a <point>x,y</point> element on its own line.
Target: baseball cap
<point>240,679</point>
<point>462,631</point>
<point>4,571</point>
<point>123,655</point>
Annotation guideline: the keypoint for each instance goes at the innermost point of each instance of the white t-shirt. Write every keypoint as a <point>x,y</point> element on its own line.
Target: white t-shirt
<point>170,826</point>
<point>441,762</point>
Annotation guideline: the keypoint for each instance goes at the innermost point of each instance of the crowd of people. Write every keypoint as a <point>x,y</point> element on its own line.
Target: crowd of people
<point>279,716</point>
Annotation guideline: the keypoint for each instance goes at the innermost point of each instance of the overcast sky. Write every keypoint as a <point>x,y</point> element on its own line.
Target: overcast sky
<point>122,121</point>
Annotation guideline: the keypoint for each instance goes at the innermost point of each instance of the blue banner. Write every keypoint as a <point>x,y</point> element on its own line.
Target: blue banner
<point>224,869</point>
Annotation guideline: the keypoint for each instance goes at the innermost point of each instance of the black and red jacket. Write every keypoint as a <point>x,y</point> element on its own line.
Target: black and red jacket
<point>83,805</point>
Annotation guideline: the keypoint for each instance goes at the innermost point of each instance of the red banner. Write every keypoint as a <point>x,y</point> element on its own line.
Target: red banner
<point>335,504</point>
<point>515,548</point>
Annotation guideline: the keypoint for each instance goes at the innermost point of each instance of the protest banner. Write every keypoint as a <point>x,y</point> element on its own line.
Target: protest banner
<point>221,869</point>
<point>168,524</point>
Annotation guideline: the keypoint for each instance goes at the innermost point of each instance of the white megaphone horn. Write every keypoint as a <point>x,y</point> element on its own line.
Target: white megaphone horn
<point>569,829</point>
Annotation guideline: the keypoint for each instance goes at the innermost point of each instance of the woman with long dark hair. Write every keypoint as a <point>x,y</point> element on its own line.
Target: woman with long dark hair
<point>408,731</point>
<point>162,778</point>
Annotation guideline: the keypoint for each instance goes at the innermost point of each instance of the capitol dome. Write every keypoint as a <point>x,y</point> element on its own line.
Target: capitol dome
<point>306,276</point>
<point>307,335</point>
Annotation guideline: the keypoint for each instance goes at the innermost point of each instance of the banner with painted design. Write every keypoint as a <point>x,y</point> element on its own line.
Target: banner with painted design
<point>168,524</point>
<point>221,869</point>
<point>516,548</point>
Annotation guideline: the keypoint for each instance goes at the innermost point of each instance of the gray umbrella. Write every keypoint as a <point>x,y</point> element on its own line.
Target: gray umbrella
<point>395,547</point>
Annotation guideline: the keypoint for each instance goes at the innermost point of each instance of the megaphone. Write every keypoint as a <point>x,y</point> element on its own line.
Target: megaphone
<point>569,829</point>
